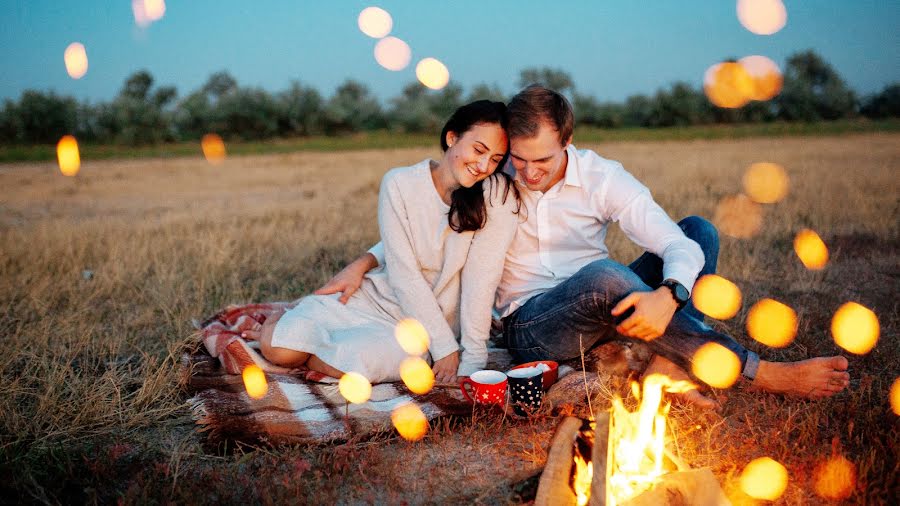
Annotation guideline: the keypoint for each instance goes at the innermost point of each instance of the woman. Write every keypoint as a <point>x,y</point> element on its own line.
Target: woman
<point>445,226</point>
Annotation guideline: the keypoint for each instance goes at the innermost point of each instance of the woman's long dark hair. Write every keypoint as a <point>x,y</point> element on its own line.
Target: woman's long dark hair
<point>468,210</point>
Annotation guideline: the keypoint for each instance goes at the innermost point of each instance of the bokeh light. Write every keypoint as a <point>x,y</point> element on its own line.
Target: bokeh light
<point>766,182</point>
<point>855,328</point>
<point>412,336</point>
<point>432,73</point>
<point>255,381</point>
<point>772,323</point>
<point>738,216</point>
<point>716,297</point>
<point>147,11</point>
<point>716,365</point>
<point>213,148</point>
<point>766,77</point>
<point>355,387</point>
<point>895,397</point>
<point>409,421</point>
<point>68,156</point>
<point>76,60</point>
<point>835,479</point>
<point>764,478</point>
<point>392,53</point>
<point>762,17</point>
<point>728,85</point>
<point>417,375</point>
<point>811,249</point>
<point>375,22</point>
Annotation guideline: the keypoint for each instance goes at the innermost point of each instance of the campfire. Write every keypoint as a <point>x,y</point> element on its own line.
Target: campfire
<point>621,457</point>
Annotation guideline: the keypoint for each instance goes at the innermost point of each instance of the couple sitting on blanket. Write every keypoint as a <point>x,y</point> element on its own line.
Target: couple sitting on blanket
<point>513,218</point>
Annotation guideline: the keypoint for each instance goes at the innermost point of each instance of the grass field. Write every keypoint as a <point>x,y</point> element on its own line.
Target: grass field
<point>92,410</point>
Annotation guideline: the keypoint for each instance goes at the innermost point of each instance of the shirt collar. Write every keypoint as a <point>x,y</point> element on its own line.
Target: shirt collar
<point>573,177</point>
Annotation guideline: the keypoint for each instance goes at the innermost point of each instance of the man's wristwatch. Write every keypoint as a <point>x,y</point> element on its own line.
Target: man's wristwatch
<point>679,292</point>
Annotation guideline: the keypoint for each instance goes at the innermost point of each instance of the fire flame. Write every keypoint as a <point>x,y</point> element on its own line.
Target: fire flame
<point>637,439</point>
<point>584,473</point>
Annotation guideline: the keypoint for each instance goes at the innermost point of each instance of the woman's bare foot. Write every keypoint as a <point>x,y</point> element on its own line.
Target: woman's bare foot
<point>664,366</point>
<point>814,378</point>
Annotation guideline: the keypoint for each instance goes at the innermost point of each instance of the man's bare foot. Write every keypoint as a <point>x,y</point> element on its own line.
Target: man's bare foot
<point>814,378</point>
<point>664,366</point>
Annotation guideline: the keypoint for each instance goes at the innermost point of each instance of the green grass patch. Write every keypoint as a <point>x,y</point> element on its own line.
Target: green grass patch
<point>394,140</point>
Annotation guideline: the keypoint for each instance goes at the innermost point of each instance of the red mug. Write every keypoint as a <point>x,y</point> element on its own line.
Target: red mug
<point>488,387</point>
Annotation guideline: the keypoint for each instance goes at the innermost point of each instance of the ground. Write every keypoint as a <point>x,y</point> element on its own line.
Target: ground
<point>101,274</point>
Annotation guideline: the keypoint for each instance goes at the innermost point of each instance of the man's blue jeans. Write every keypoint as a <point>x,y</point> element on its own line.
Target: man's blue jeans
<point>547,326</point>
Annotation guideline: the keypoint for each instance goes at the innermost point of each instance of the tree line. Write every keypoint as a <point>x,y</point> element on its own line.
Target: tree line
<point>143,113</point>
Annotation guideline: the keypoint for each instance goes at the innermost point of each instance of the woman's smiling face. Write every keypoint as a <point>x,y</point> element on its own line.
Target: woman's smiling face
<point>475,155</point>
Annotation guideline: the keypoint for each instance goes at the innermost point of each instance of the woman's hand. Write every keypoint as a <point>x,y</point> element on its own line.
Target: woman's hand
<point>349,279</point>
<point>445,368</point>
<point>264,333</point>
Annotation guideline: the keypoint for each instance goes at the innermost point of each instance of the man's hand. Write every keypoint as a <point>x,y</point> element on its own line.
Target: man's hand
<point>349,279</point>
<point>445,368</point>
<point>652,313</point>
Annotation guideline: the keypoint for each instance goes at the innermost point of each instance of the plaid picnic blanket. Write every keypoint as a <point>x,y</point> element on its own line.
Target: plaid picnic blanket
<point>301,406</point>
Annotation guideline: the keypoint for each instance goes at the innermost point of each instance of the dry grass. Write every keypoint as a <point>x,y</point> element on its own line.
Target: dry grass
<point>92,409</point>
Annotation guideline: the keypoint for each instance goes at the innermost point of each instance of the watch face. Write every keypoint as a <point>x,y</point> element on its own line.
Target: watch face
<point>681,293</point>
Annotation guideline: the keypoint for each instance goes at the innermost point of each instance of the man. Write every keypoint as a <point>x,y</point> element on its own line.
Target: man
<point>560,291</point>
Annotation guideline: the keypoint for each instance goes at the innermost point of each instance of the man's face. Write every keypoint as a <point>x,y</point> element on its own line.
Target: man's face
<point>540,160</point>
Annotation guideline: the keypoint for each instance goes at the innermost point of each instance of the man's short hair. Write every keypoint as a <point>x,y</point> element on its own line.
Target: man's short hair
<point>536,104</point>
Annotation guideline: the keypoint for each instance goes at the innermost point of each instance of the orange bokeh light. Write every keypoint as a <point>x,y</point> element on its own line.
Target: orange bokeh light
<point>728,85</point>
<point>213,148</point>
<point>417,375</point>
<point>409,421</point>
<point>738,216</point>
<point>835,479</point>
<point>412,336</point>
<point>375,22</point>
<point>717,297</point>
<point>355,387</point>
<point>255,381</point>
<point>764,478</point>
<point>68,156</point>
<point>76,60</point>
<point>762,17</point>
<point>392,53</point>
<point>147,11</point>
<point>716,365</point>
<point>811,249</point>
<point>766,182</point>
<point>772,323</point>
<point>895,397</point>
<point>432,73</point>
<point>855,328</point>
<point>766,77</point>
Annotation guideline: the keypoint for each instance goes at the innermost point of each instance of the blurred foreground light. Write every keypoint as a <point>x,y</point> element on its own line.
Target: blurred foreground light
<point>255,381</point>
<point>392,53</point>
<point>738,216</point>
<point>355,387</point>
<point>432,73</point>
<point>412,336</point>
<point>766,77</point>
<point>716,297</point>
<point>728,85</point>
<point>716,365</point>
<point>76,60</point>
<point>417,375</point>
<point>410,422</point>
<point>147,11</point>
<point>811,250</point>
<point>764,478</point>
<point>375,22</point>
<point>895,397</point>
<point>766,182</point>
<point>855,328</point>
<point>213,148</point>
<point>835,479</point>
<point>772,323</point>
<point>762,17</point>
<point>68,156</point>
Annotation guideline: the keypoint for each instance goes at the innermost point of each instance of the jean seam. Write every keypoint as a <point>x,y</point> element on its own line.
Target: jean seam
<point>555,312</point>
